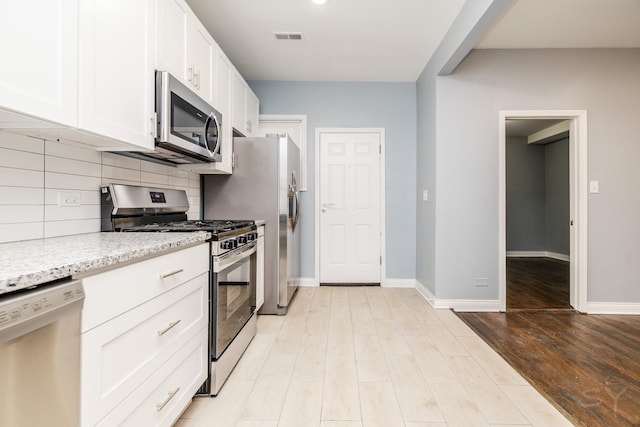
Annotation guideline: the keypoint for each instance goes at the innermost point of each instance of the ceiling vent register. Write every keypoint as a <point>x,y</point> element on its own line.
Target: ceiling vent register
<point>288,36</point>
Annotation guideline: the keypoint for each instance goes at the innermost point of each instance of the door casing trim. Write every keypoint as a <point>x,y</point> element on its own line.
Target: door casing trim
<point>381,133</point>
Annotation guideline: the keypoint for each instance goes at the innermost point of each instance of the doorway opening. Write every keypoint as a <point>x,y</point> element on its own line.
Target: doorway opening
<point>543,189</point>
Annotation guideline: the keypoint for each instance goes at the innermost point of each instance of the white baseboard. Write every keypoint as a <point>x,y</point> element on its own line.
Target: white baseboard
<point>398,283</point>
<point>538,254</point>
<point>308,282</point>
<point>425,292</point>
<point>457,304</point>
<point>613,308</point>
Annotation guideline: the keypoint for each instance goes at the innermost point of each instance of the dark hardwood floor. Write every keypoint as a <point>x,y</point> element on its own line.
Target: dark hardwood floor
<point>537,283</point>
<point>588,366</point>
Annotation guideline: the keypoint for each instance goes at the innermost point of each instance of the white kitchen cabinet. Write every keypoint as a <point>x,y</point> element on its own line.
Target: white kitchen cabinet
<point>245,107</point>
<point>116,70</point>
<point>260,269</point>
<point>39,71</point>
<point>144,336</point>
<point>223,72</point>
<point>185,48</point>
<point>252,113</point>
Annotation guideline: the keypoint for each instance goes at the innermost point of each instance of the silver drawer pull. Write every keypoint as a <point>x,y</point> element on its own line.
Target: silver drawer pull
<point>170,395</point>
<point>168,328</point>
<point>172,273</point>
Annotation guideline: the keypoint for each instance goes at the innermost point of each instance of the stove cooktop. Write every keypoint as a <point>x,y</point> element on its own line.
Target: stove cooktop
<point>215,227</point>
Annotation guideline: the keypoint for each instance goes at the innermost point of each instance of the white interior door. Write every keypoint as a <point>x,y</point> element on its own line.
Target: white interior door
<point>350,250</point>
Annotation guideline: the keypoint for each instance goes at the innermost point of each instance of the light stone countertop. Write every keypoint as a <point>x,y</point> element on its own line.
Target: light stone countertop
<point>31,262</point>
<point>260,222</point>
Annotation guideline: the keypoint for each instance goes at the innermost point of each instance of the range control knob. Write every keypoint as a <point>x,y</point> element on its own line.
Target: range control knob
<point>242,240</point>
<point>252,236</point>
<point>229,244</point>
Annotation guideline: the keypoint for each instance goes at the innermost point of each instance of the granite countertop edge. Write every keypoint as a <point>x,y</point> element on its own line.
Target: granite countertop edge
<point>32,262</point>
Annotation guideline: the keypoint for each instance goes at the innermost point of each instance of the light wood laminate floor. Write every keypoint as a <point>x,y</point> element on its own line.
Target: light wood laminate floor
<point>370,356</point>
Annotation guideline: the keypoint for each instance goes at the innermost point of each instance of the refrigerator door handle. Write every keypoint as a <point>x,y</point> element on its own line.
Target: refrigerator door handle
<point>297,203</point>
<point>294,212</point>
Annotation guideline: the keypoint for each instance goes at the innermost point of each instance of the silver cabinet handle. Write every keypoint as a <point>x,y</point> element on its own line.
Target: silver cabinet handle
<point>168,328</point>
<point>171,273</point>
<point>170,395</point>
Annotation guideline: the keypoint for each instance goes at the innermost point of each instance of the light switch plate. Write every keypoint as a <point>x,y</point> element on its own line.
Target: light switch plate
<point>425,195</point>
<point>594,187</point>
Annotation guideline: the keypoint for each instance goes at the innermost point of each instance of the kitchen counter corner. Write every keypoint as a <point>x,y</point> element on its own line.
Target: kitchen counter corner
<point>32,262</point>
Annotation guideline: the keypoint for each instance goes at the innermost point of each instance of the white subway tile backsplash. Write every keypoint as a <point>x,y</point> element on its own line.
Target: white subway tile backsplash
<point>154,179</point>
<point>67,228</point>
<point>65,213</point>
<point>21,159</point>
<point>23,231</point>
<point>15,214</point>
<point>21,177</point>
<point>177,182</point>
<point>115,172</point>
<point>59,149</point>
<point>178,173</point>
<point>120,161</point>
<point>21,196</point>
<point>71,167</point>
<point>72,182</point>
<point>21,143</point>
<point>34,171</point>
<point>154,168</point>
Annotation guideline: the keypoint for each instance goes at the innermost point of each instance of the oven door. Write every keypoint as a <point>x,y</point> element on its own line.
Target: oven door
<point>234,284</point>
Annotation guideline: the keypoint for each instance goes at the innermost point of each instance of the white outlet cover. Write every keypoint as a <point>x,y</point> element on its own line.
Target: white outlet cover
<point>69,198</point>
<point>425,195</point>
<point>594,187</point>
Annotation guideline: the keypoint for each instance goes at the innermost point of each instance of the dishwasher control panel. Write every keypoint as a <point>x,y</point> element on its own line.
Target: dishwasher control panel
<point>31,309</point>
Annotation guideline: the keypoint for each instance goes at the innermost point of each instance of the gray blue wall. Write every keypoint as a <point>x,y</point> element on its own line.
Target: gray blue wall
<point>358,105</point>
<point>537,196</point>
<point>525,195</point>
<point>606,83</point>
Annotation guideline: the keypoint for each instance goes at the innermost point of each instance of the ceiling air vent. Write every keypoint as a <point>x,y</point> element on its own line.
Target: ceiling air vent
<point>288,36</point>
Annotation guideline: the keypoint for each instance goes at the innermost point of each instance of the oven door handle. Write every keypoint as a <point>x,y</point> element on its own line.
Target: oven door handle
<point>223,261</point>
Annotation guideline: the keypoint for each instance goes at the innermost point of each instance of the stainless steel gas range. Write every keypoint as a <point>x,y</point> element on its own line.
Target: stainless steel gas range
<point>232,319</point>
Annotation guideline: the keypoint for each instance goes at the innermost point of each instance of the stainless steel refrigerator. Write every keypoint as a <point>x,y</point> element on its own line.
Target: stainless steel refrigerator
<point>264,186</point>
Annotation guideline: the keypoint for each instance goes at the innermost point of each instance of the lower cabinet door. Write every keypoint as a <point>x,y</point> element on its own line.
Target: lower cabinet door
<point>161,399</point>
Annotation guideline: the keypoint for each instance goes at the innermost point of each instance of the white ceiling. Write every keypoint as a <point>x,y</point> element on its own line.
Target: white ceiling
<point>566,24</point>
<point>344,40</point>
<point>378,40</point>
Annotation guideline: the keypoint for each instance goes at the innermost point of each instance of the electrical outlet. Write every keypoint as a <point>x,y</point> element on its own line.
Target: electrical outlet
<point>481,282</point>
<point>69,198</point>
<point>425,195</point>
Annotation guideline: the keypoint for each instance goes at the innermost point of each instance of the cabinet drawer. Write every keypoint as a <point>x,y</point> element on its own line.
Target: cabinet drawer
<point>121,354</point>
<point>114,292</point>
<point>161,399</point>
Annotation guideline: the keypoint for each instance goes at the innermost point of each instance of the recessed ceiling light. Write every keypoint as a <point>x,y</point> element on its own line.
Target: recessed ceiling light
<point>319,2</point>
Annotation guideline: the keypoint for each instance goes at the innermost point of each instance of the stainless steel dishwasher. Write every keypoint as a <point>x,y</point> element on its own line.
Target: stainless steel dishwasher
<point>40,355</point>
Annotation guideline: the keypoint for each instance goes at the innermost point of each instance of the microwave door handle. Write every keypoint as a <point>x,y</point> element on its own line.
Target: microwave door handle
<point>211,118</point>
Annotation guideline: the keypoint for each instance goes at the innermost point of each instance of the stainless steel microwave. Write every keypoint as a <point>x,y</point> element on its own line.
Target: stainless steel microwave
<point>189,129</point>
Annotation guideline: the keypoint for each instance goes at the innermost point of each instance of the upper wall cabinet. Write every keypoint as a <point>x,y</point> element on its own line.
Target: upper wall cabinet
<point>80,71</point>
<point>245,107</point>
<point>185,48</point>
<point>117,62</point>
<point>39,69</point>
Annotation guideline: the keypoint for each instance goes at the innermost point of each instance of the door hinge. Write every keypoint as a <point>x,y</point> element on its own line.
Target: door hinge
<point>380,259</point>
<point>380,148</point>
